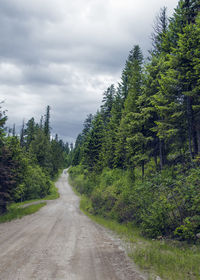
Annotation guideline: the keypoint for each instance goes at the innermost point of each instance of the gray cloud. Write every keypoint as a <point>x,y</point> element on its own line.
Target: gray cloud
<point>66,53</point>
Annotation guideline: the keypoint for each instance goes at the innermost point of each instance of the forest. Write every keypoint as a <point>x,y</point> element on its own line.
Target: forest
<point>138,158</point>
<point>29,161</point>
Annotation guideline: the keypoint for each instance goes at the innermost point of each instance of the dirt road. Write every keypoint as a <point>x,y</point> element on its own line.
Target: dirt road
<point>59,242</point>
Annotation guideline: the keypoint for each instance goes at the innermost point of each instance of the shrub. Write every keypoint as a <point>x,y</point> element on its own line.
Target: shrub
<point>36,183</point>
<point>189,229</point>
<point>165,203</point>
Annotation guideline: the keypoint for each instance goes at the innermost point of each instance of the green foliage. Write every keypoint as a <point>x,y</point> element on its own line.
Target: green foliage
<point>53,193</point>
<point>81,182</point>
<point>29,162</point>
<point>8,178</point>
<point>93,144</point>
<point>47,122</point>
<point>3,119</point>
<point>185,232</point>
<point>36,183</point>
<point>165,204</point>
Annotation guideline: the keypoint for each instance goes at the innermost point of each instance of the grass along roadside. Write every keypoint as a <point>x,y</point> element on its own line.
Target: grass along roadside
<point>15,211</point>
<point>170,260</point>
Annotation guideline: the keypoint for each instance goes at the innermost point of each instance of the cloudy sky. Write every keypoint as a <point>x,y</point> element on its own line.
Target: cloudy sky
<point>65,53</point>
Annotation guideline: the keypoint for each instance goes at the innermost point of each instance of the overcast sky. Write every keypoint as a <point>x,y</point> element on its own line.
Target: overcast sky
<point>65,53</point>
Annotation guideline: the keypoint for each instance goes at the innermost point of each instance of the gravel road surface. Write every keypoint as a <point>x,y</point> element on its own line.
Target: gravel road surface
<point>60,243</point>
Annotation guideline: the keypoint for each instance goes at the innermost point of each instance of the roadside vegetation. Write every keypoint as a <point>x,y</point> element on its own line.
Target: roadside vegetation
<point>16,212</point>
<point>163,204</point>
<point>166,258</point>
<point>29,164</point>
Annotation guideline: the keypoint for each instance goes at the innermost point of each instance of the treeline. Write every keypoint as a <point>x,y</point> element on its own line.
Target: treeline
<point>29,161</point>
<point>138,156</point>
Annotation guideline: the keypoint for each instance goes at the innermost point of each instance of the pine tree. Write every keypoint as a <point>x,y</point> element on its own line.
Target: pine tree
<point>124,146</point>
<point>40,147</point>
<point>110,137</point>
<point>159,32</point>
<point>185,13</point>
<point>57,155</point>
<point>77,152</point>
<point>47,122</point>
<point>81,141</point>
<point>13,130</point>
<point>7,168</point>
<point>22,142</point>
<point>93,144</point>
<point>7,178</point>
<point>154,69</point>
<point>106,107</point>
<point>29,132</point>
<point>87,126</point>
<point>179,93</point>
<point>3,119</point>
<point>127,73</point>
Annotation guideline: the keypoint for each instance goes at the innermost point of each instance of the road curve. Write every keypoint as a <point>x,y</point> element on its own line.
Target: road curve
<point>60,243</point>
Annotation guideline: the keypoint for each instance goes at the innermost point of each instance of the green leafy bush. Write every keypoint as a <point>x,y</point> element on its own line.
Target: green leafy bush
<point>164,204</point>
<point>189,229</point>
<point>36,183</point>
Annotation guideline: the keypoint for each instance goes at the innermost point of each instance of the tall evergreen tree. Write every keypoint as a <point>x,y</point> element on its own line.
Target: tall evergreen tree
<point>77,152</point>
<point>87,126</point>
<point>93,145</point>
<point>125,147</point>
<point>7,178</point>
<point>7,168</point>
<point>159,31</point>
<point>111,130</point>
<point>185,13</point>
<point>178,90</point>
<point>127,73</point>
<point>29,132</point>
<point>107,103</point>
<point>3,119</point>
<point>47,122</point>
<point>22,142</point>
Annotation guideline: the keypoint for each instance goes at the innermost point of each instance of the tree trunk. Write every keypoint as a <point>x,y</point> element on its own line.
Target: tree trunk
<point>161,153</point>
<point>198,133</point>
<point>189,120</point>
<point>192,132</point>
<point>143,154</point>
<point>156,161</point>
<point>142,169</point>
<point>195,142</point>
